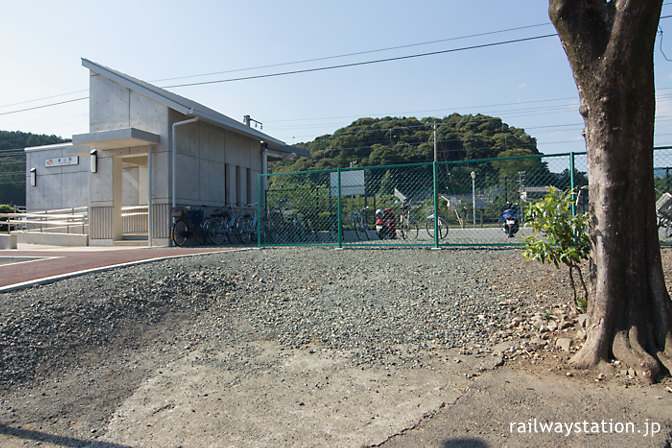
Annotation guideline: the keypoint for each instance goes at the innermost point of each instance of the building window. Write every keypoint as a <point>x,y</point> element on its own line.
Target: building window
<point>248,177</point>
<point>227,190</point>
<point>238,195</point>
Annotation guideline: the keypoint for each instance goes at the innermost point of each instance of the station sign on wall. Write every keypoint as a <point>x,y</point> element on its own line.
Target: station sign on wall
<point>62,161</point>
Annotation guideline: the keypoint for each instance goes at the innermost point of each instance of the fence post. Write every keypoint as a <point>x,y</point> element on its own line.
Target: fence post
<point>339,217</point>
<point>571,182</point>
<point>436,203</point>
<point>258,229</point>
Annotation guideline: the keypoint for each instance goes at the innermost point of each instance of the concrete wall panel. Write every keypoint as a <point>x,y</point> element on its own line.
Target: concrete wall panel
<point>75,189</point>
<point>188,140</point>
<point>100,183</point>
<point>188,183</point>
<point>57,186</point>
<point>130,185</point>
<point>46,195</point>
<point>161,171</point>
<point>109,105</point>
<point>239,149</point>
<point>148,115</point>
<point>213,143</point>
<point>212,182</point>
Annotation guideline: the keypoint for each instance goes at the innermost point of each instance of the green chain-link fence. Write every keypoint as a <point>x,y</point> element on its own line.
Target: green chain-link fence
<point>338,207</point>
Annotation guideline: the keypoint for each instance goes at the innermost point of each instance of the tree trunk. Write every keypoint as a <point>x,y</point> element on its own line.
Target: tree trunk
<point>610,50</point>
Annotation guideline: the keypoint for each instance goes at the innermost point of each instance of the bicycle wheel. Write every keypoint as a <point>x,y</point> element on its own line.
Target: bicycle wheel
<point>231,235</point>
<point>180,233</point>
<point>365,228</point>
<point>403,229</point>
<point>244,232</point>
<point>254,235</point>
<point>205,230</point>
<point>215,232</point>
<point>429,227</point>
<point>359,231</point>
<point>412,230</point>
<point>443,227</point>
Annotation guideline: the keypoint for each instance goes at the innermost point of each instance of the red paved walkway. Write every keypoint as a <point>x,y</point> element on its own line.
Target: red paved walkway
<point>54,263</point>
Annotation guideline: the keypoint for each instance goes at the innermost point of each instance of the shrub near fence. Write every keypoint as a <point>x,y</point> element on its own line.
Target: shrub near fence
<point>330,207</point>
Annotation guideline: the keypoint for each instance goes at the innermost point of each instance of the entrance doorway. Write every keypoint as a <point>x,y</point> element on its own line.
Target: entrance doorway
<point>131,202</point>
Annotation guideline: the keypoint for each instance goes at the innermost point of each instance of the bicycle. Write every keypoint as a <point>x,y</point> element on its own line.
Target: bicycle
<point>246,229</point>
<point>442,224</point>
<point>359,224</point>
<point>248,226</point>
<point>224,225</point>
<point>189,223</point>
<point>408,226</point>
<point>216,227</point>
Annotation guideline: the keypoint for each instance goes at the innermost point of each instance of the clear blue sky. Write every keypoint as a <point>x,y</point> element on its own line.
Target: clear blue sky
<point>528,84</point>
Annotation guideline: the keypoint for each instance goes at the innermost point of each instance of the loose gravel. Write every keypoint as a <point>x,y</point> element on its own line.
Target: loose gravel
<point>381,304</point>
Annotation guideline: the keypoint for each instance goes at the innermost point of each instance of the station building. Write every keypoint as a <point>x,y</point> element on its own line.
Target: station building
<point>148,151</point>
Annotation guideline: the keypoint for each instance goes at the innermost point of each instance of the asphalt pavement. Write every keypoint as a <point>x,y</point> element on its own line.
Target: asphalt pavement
<point>32,264</point>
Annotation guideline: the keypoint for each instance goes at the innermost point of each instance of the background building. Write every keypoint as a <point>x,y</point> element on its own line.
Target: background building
<point>148,150</point>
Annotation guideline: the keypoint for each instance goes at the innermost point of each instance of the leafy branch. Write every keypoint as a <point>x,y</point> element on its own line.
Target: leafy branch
<point>559,236</point>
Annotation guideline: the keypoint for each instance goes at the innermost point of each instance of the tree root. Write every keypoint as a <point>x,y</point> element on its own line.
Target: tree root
<point>665,354</point>
<point>594,350</point>
<point>628,349</point>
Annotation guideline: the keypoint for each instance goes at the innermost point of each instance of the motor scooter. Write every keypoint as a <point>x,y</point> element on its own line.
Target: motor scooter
<point>510,219</point>
<point>386,223</point>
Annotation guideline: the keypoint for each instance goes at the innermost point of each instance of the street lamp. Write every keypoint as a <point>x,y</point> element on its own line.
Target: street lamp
<point>473,195</point>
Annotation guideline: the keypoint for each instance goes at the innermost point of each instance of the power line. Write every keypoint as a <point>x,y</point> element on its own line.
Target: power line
<point>357,64</point>
<point>359,53</point>
<point>311,60</point>
<point>316,69</point>
<point>43,106</point>
<point>44,98</point>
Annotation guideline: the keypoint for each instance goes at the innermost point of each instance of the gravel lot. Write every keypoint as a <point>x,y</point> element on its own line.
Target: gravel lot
<point>367,300</point>
<point>386,307</point>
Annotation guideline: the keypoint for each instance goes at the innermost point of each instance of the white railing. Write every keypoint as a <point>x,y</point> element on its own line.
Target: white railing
<point>134,219</point>
<point>71,220</point>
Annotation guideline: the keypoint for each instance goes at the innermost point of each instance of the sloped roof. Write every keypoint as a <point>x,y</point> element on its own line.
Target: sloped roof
<point>189,107</point>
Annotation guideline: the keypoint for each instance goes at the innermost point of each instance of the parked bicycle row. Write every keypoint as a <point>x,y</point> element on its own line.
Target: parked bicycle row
<point>285,225</point>
<point>402,221</point>
<point>222,226</point>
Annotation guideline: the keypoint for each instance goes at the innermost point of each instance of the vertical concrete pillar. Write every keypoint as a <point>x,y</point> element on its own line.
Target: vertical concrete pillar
<point>150,220</point>
<point>117,202</point>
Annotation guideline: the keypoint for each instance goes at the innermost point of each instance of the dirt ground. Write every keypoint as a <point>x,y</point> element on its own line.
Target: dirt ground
<point>312,397</point>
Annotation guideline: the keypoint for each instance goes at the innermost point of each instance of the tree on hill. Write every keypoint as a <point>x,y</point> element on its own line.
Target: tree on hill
<point>393,140</point>
<point>609,45</point>
<point>13,163</point>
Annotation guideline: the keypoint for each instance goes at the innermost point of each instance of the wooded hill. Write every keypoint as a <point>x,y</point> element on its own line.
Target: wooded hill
<point>13,163</point>
<point>390,141</point>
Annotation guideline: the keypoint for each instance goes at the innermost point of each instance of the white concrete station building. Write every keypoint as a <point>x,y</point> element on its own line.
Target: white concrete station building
<point>148,151</point>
